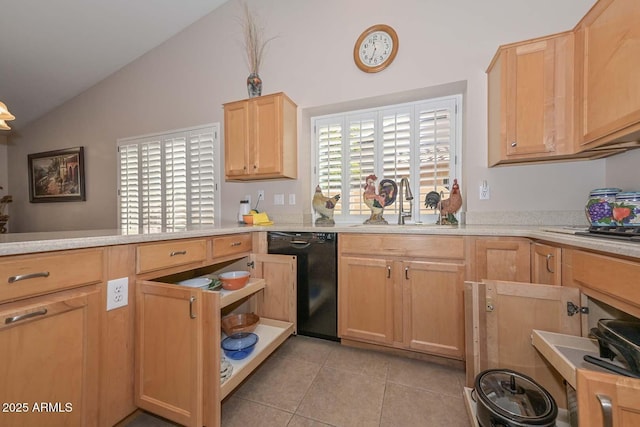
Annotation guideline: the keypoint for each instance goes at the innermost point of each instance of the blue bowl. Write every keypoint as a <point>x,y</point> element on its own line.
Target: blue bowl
<point>239,345</point>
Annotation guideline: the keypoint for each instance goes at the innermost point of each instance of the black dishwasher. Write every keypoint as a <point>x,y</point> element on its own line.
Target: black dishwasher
<point>317,279</point>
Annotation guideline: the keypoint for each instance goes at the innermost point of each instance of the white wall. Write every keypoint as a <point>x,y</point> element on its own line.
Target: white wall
<point>185,81</point>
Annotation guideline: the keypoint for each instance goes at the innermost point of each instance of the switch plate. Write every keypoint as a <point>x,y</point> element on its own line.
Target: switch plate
<point>278,199</point>
<point>117,293</point>
<point>292,199</point>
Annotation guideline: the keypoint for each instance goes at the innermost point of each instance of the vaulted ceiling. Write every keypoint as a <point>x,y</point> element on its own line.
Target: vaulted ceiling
<point>51,51</point>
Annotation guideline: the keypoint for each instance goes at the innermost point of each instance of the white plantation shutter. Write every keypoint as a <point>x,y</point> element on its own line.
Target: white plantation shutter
<point>167,182</point>
<point>415,140</point>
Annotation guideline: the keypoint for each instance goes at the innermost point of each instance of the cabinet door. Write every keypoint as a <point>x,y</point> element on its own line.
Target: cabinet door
<point>502,317</point>
<point>531,109</point>
<point>49,360</point>
<point>177,362</point>
<point>266,158</point>
<point>609,59</point>
<point>597,390</point>
<point>278,300</point>
<point>236,138</point>
<point>538,90</point>
<point>365,299</point>
<point>433,308</point>
<point>546,264</point>
<point>503,259</point>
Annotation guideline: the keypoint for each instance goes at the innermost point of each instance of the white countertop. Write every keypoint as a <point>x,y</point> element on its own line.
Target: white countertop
<point>25,243</point>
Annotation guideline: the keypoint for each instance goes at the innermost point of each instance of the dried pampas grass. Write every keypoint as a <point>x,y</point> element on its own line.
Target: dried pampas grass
<point>254,41</point>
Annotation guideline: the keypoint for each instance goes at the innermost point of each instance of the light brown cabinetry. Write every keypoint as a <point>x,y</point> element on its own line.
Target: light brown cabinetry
<point>260,138</point>
<point>533,329</point>
<point>178,339</point>
<point>500,317</point>
<point>503,258</point>
<point>597,390</point>
<point>531,100</point>
<point>49,359</point>
<point>546,264</point>
<point>607,60</point>
<point>50,336</point>
<point>407,294</point>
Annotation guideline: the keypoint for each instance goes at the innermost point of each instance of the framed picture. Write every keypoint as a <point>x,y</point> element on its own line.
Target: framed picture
<point>57,176</point>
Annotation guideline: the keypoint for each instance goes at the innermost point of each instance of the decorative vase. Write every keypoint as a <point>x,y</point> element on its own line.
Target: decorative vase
<point>254,85</point>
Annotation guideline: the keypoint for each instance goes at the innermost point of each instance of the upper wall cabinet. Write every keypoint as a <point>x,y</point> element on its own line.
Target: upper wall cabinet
<point>260,138</point>
<point>530,100</point>
<point>608,73</point>
<point>568,96</point>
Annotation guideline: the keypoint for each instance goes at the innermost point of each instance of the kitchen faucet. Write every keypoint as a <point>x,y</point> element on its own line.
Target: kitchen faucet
<point>404,185</point>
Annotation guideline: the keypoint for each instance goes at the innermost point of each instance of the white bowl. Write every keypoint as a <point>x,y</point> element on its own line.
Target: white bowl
<point>196,282</point>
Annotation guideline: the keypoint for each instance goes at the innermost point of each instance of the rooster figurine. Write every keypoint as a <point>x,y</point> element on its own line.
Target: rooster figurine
<point>450,206</point>
<point>324,207</point>
<point>377,202</point>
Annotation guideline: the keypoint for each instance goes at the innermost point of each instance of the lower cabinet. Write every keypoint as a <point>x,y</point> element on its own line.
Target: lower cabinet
<point>503,258</point>
<point>178,340</point>
<point>500,317</point>
<point>414,304</point>
<point>49,359</point>
<point>607,400</point>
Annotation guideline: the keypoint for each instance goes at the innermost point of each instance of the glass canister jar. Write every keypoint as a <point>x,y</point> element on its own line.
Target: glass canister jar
<point>599,208</point>
<point>626,209</point>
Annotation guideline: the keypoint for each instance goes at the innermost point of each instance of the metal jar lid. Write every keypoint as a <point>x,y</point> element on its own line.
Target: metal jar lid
<point>516,397</point>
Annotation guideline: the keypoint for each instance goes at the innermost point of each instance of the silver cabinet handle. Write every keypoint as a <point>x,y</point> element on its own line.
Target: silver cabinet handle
<point>174,253</point>
<point>191,313</point>
<point>388,271</point>
<point>514,144</point>
<point>19,277</point>
<point>607,410</point>
<point>549,257</point>
<point>236,243</point>
<point>20,317</point>
<point>406,273</point>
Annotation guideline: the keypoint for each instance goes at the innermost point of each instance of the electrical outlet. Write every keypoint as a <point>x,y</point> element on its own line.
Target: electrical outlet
<point>485,192</point>
<point>260,194</point>
<point>292,199</point>
<point>117,293</point>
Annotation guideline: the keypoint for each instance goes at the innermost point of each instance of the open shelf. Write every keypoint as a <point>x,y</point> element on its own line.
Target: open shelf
<point>565,353</point>
<point>271,334</point>
<point>229,297</point>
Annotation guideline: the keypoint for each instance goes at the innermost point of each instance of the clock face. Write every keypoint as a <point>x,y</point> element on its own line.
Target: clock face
<point>376,48</point>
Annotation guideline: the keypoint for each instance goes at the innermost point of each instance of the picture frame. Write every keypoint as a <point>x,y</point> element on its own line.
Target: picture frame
<point>57,176</point>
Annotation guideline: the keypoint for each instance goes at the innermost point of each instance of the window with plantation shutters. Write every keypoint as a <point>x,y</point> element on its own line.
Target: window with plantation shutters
<point>416,140</point>
<point>167,182</point>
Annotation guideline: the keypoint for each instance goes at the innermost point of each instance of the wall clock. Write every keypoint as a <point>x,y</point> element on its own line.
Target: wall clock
<point>376,48</point>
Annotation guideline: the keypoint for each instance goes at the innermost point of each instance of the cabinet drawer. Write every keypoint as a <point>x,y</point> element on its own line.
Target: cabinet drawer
<point>233,244</point>
<point>404,245</point>
<point>23,276</point>
<point>169,254</point>
<point>615,278</point>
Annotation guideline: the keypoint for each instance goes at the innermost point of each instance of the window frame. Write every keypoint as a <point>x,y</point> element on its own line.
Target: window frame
<point>213,128</point>
<point>453,101</point>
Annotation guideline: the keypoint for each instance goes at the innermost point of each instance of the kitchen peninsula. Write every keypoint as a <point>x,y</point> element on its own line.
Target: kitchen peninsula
<point>76,330</point>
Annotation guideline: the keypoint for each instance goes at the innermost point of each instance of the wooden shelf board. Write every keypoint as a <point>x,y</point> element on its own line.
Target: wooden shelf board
<point>566,352</point>
<point>229,297</point>
<point>271,333</point>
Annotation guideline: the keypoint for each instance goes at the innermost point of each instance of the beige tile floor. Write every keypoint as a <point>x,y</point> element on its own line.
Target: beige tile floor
<point>309,382</point>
